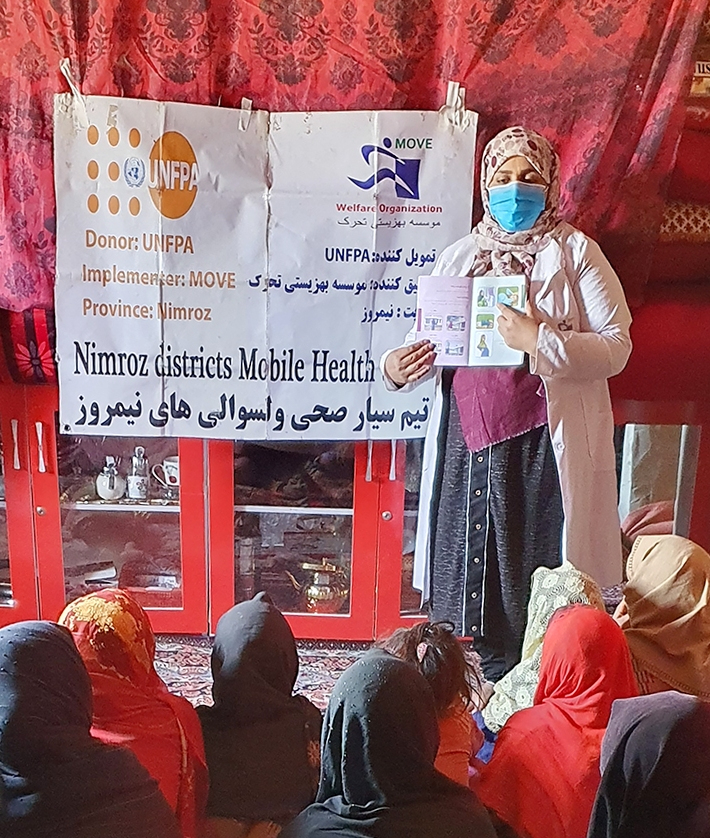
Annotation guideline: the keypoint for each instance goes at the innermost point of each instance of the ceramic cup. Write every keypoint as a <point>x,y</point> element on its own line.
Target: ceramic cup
<point>170,468</point>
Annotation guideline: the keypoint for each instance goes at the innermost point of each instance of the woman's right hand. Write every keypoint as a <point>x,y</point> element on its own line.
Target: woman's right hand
<point>410,363</point>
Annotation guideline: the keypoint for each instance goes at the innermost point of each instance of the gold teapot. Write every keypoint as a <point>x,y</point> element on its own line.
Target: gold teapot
<point>327,589</point>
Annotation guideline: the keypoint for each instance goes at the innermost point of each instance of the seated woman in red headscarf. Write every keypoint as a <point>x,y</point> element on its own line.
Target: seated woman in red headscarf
<point>132,705</point>
<point>544,773</point>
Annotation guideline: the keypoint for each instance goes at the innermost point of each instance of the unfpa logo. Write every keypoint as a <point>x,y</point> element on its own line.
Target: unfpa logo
<point>405,173</point>
<point>172,175</point>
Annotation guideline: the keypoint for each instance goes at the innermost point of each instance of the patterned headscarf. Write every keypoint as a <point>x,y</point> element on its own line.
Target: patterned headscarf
<point>114,637</point>
<point>132,705</point>
<point>511,253</point>
<point>551,589</point>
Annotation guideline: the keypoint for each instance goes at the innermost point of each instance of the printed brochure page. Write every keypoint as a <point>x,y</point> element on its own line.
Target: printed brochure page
<point>458,315</point>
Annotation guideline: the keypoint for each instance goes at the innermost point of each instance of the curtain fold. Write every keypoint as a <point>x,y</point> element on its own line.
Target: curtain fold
<point>603,79</point>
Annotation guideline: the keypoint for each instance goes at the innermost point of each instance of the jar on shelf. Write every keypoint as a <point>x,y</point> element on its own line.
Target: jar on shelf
<point>138,475</point>
<point>110,485</point>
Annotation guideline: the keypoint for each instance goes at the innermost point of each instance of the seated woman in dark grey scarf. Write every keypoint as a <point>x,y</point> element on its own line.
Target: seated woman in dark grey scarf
<point>378,779</point>
<point>55,779</point>
<point>261,741</point>
<point>656,769</point>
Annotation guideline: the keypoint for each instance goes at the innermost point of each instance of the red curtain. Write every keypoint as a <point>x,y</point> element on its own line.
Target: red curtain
<point>602,78</point>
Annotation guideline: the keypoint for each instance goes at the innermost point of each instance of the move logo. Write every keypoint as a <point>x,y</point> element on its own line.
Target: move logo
<point>173,175</point>
<point>405,173</point>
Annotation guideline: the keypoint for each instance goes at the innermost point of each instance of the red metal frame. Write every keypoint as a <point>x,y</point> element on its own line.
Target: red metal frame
<point>191,616</point>
<point>18,499</point>
<point>220,479</point>
<point>388,613</point>
<point>358,624</point>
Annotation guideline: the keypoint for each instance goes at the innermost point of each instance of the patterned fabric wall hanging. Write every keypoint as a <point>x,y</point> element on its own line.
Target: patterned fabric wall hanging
<point>603,79</point>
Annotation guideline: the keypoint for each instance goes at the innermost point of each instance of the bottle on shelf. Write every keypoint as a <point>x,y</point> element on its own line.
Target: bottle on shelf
<point>138,475</point>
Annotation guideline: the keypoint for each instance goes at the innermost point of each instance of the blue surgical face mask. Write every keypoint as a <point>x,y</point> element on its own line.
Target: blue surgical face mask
<point>516,206</point>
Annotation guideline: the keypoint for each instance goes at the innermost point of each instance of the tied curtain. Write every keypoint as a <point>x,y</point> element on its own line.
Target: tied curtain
<point>603,79</point>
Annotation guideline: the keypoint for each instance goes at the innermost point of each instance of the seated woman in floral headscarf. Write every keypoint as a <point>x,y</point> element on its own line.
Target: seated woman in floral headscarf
<point>132,705</point>
<point>665,614</point>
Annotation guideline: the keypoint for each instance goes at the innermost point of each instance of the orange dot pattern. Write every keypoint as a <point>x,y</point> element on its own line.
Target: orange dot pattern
<point>93,170</point>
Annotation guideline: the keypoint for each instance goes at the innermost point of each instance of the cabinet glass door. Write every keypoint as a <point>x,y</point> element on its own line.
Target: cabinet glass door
<point>144,535</point>
<point>291,520</point>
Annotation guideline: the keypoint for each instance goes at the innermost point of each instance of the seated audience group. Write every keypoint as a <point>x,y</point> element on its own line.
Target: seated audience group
<point>601,731</point>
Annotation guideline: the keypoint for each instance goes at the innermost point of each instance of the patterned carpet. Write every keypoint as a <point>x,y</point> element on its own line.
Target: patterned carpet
<point>183,662</point>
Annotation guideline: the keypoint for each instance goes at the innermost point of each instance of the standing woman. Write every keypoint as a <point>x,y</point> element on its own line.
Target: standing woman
<point>513,453</point>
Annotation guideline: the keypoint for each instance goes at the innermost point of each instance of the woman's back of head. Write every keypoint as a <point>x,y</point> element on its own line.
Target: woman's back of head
<point>380,734</point>
<point>439,656</point>
<point>378,779</point>
<point>45,696</point>
<point>667,623</point>
<point>114,637</point>
<point>656,770</point>
<point>585,665</point>
<point>55,780</point>
<point>254,661</point>
<point>261,741</point>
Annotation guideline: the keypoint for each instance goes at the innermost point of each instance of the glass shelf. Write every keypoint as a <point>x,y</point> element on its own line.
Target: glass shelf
<point>294,510</point>
<point>123,506</point>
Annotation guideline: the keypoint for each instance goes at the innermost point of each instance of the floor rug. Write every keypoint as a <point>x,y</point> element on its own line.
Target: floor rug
<point>183,662</point>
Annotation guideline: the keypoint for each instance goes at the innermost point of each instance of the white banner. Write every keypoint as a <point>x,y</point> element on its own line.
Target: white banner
<point>238,275</point>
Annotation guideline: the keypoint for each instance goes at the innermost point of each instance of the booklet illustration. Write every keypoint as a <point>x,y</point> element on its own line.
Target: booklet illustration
<point>458,315</point>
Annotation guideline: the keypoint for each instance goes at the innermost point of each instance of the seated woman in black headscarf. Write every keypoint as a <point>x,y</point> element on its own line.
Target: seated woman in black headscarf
<point>261,741</point>
<point>377,776</point>
<point>655,764</point>
<point>55,779</point>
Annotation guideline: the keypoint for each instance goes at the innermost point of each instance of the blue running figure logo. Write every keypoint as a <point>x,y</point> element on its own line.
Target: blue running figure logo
<point>405,174</point>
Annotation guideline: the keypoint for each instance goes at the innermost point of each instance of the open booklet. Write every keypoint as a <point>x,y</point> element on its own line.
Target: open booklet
<point>458,315</point>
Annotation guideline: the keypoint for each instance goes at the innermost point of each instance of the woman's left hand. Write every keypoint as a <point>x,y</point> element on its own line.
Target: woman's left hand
<point>519,330</point>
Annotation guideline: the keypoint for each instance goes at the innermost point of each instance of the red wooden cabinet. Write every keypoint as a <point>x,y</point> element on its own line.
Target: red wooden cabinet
<point>65,541</point>
<point>318,526</point>
<point>327,529</point>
